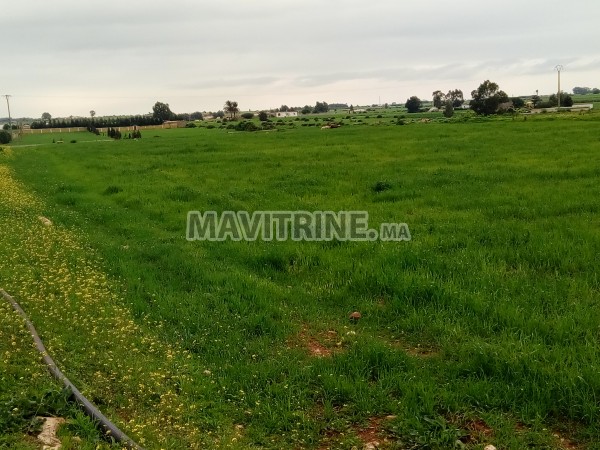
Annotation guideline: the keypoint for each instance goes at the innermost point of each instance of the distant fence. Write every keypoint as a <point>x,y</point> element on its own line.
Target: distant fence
<point>52,130</point>
<point>166,125</point>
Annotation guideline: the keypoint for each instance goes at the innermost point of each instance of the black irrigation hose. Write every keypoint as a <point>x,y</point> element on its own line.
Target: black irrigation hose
<point>88,407</point>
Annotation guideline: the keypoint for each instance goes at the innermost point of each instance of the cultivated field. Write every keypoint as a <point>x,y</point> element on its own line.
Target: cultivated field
<point>484,329</point>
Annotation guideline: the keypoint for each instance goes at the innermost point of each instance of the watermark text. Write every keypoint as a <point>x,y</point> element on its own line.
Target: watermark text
<point>286,225</point>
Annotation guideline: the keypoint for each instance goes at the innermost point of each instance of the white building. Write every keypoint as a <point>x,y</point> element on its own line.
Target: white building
<point>286,114</point>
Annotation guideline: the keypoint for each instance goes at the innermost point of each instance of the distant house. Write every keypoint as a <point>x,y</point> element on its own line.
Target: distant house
<point>577,107</point>
<point>286,114</point>
<point>506,107</point>
<point>174,124</point>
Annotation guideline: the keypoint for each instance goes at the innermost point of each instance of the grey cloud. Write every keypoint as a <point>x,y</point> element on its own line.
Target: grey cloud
<point>182,48</point>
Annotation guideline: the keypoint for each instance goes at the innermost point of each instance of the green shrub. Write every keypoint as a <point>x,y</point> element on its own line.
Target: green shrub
<point>5,137</point>
<point>110,190</point>
<point>247,115</point>
<point>381,186</point>
<point>247,126</point>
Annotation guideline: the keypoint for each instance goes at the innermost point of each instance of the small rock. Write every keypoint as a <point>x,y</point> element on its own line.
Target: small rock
<point>47,222</point>
<point>373,445</point>
<point>390,417</point>
<point>489,447</point>
<point>355,316</point>
<point>48,435</point>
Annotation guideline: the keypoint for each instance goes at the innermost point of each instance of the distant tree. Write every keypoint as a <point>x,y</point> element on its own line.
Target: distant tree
<point>582,90</point>
<point>306,110</point>
<point>196,116</point>
<point>182,116</point>
<point>320,107</point>
<point>231,108</point>
<point>448,109</point>
<point>5,137</point>
<point>565,99</point>
<point>284,108</point>
<point>92,114</point>
<point>247,115</point>
<point>536,100</point>
<point>413,104</point>
<point>6,126</point>
<point>162,112</point>
<point>351,108</point>
<point>595,91</point>
<point>46,117</point>
<point>487,97</point>
<point>218,115</point>
<point>518,102</point>
<point>263,116</point>
<point>438,99</point>
<point>456,97</point>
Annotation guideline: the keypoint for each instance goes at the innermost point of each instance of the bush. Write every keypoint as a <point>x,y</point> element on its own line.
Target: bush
<point>413,104</point>
<point>190,125</point>
<point>381,186</point>
<point>5,137</point>
<point>448,110</point>
<point>247,115</point>
<point>73,141</point>
<point>263,116</point>
<point>247,126</point>
<point>114,133</point>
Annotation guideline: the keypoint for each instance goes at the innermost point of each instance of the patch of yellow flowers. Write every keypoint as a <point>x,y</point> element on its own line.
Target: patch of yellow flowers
<point>137,380</point>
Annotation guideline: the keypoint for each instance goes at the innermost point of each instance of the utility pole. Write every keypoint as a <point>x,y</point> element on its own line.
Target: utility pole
<point>558,68</point>
<point>7,96</point>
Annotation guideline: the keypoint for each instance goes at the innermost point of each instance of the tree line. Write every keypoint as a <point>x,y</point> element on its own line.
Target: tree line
<point>585,90</point>
<point>488,99</point>
<point>98,122</point>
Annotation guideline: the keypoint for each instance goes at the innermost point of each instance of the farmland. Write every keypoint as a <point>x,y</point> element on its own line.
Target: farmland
<point>483,329</point>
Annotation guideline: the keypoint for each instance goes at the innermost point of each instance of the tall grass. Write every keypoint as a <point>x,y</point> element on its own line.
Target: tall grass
<point>490,312</point>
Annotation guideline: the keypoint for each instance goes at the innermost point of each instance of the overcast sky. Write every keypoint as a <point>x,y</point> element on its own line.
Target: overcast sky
<point>68,57</point>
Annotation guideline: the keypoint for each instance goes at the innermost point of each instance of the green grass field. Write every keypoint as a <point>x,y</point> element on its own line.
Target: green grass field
<point>484,329</point>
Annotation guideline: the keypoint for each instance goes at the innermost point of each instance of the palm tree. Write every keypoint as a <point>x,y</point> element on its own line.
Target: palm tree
<point>231,108</point>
